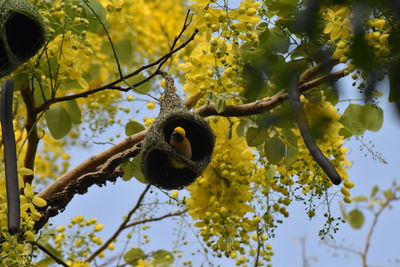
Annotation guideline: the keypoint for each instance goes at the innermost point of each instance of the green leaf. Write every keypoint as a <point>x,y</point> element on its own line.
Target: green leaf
<point>254,81</point>
<point>133,127</point>
<point>45,262</point>
<point>352,119</point>
<point>388,194</point>
<point>133,255</point>
<point>20,80</point>
<point>355,218</point>
<point>133,169</point>
<point>332,96</point>
<point>123,48</point>
<point>277,42</point>
<point>40,94</point>
<point>241,128</point>
<point>374,191</point>
<point>94,24</point>
<point>70,84</point>
<point>266,120</point>
<point>255,136</point>
<point>291,154</point>
<point>274,149</point>
<point>58,121</point>
<point>372,118</point>
<point>163,257</point>
<point>270,172</point>
<point>74,111</point>
<point>284,8</point>
<point>219,105</point>
<point>290,136</point>
<point>346,133</point>
<point>377,94</point>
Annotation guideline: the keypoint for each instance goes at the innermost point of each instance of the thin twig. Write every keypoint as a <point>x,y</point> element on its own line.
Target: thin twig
<point>51,254</point>
<point>155,219</point>
<point>121,227</point>
<point>258,247</point>
<point>108,36</point>
<point>364,254</point>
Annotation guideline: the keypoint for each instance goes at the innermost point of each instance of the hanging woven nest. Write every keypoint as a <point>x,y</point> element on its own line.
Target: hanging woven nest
<point>156,150</point>
<point>22,34</point>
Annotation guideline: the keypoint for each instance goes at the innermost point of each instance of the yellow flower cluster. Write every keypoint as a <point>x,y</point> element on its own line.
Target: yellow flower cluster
<point>214,64</point>
<point>339,29</point>
<point>378,37</point>
<point>322,117</point>
<point>16,250</point>
<point>81,234</point>
<point>219,198</point>
<point>145,22</point>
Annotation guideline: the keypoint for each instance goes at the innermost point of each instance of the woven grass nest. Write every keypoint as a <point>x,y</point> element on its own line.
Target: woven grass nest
<point>156,149</point>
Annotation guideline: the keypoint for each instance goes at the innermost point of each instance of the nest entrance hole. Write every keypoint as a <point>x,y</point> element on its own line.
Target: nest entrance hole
<point>200,138</point>
<point>24,35</point>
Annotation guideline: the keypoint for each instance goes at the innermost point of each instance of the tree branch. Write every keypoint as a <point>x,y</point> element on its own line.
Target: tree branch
<point>31,130</point>
<point>51,254</point>
<point>91,164</point>
<point>121,227</point>
<point>155,219</point>
<point>258,107</point>
<point>59,198</point>
<point>364,254</point>
<point>320,67</point>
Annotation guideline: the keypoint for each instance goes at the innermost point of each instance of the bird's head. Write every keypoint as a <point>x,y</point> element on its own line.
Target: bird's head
<point>178,134</point>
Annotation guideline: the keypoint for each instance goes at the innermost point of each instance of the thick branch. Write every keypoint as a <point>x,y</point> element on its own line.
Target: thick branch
<point>320,67</point>
<point>121,227</point>
<point>108,172</point>
<point>31,130</point>
<point>91,164</point>
<point>265,105</point>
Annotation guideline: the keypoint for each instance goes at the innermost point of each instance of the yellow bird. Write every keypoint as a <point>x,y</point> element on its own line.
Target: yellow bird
<point>181,145</point>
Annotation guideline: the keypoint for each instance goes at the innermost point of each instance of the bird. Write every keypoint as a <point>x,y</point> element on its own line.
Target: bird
<point>181,144</point>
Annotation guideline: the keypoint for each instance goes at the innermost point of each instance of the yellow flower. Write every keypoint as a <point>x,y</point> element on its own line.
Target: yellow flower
<point>77,219</point>
<point>150,105</point>
<point>98,227</point>
<point>174,194</point>
<point>91,221</point>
